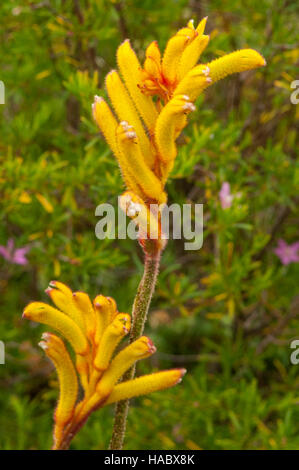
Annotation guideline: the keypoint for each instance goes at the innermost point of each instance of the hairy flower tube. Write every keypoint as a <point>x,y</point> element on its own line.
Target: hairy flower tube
<point>151,104</point>
<point>90,380</point>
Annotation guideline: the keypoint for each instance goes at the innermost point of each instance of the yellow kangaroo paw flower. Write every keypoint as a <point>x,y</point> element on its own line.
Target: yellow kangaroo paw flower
<point>144,177</point>
<point>126,110</point>
<point>139,349</point>
<point>108,126</point>
<point>145,384</point>
<point>105,309</point>
<point>63,299</point>
<point>68,383</point>
<point>238,61</point>
<point>43,313</point>
<point>84,305</point>
<point>191,55</point>
<point>169,121</point>
<point>111,337</point>
<point>196,80</point>
<point>130,69</point>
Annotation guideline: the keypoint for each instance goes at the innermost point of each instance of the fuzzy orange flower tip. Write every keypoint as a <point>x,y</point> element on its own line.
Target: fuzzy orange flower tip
<point>151,104</point>
<point>94,330</point>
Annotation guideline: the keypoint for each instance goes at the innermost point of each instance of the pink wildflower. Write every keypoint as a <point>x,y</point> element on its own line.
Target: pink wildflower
<point>225,196</point>
<point>13,255</point>
<point>287,253</point>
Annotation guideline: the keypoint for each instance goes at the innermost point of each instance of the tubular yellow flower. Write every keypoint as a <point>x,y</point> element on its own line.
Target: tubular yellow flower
<point>111,337</point>
<point>84,305</point>
<point>108,126</point>
<point>68,382</point>
<point>238,61</point>
<point>172,56</point>
<point>106,122</point>
<point>130,70</point>
<point>146,384</point>
<point>175,49</point>
<point>43,313</point>
<point>105,309</point>
<point>145,178</point>
<point>139,349</point>
<point>126,111</point>
<point>191,55</point>
<point>169,124</point>
<point>63,299</point>
<point>144,141</point>
<point>97,371</point>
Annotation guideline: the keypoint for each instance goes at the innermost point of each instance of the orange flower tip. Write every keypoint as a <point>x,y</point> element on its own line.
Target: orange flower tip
<point>52,283</point>
<point>48,290</point>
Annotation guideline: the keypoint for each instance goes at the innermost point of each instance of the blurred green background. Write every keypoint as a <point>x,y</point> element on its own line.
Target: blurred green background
<point>227,312</point>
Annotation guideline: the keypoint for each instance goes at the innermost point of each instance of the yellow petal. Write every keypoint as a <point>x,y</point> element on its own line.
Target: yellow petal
<point>172,55</point>
<point>130,69</point>
<point>171,119</point>
<point>43,313</point>
<point>105,309</point>
<point>191,55</point>
<point>106,121</point>
<point>139,349</point>
<point>128,145</point>
<point>63,299</point>
<point>110,339</point>
<point>83,303</point>
<point>108,125</point>
<point>152,62</point>
<point>126,110</point>
<point>68,383</point>
<point>238,61</point>
<point>145,384</point>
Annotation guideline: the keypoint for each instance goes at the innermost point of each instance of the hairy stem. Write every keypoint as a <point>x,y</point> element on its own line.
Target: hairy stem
<point>139,314</point>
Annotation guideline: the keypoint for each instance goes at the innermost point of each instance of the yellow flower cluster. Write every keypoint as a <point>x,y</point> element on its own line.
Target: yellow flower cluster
<point>94,331</point>
<point>151,105</point>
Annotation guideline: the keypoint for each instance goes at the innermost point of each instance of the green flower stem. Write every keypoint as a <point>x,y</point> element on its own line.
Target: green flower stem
<point>140,308</point>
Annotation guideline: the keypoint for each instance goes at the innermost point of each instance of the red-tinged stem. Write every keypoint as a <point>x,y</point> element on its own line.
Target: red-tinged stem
<point>140,308</point>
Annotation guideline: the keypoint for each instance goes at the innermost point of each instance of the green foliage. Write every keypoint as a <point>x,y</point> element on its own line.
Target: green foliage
<point>228,311</point>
